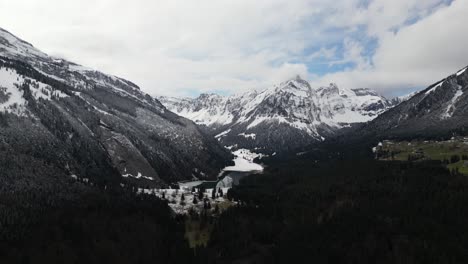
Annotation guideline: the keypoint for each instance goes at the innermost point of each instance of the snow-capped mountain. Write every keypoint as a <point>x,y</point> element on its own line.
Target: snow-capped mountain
<point>439,110</point>
<point>284,117</point>
<point>72,120</point>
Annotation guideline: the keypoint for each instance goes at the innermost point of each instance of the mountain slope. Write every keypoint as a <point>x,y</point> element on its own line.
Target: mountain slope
<point>87,124</point>
<point>282,118</point>
<point>438,111</point>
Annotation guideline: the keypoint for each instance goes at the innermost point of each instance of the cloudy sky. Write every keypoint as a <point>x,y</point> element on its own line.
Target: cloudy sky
<point>183,48</point>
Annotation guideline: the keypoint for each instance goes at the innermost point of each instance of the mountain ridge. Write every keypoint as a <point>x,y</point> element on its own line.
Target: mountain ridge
<point>291,110</point>
<point>438,110</point>
<point>105,127</point>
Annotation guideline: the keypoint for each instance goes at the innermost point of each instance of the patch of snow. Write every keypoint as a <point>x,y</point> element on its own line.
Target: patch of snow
<point>179,206</point>
<point>244,161</point>
<point>352,117</point>
<point>190,184</point>
<point>10,81</point>
<point>10,85</point>
<point>226,182</point>
<point>138,176</point>
<point>231,147</point>
<point>451,107</point>
<point>49,75</point>
<point>43,91</point>
<point>461,72</point>
<point>404,98</point>
<point>434,88</point>
<point>222,134</point>
<point>252,135</point>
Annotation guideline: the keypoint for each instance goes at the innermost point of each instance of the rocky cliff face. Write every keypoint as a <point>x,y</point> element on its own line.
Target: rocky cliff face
<point>87,124</point>
<point>284,117</point>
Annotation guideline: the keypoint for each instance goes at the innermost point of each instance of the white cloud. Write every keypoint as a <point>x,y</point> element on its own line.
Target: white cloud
<point>416,55</point>
<point>176,47</point>
<point>173,46</point>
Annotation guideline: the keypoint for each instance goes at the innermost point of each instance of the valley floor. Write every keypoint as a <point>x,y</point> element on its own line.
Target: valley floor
<point>244,161</point>
<point>453,153</point>
<point>196,195</point>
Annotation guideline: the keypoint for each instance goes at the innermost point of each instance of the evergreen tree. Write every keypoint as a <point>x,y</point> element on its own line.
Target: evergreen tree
<point>454,159</point>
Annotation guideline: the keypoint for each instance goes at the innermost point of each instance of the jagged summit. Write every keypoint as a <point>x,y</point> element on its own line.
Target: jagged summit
<point>296,81</point>
<point>292,109</point>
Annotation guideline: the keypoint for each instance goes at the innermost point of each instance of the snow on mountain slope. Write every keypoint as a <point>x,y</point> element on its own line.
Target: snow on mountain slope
<point>440,110</point>
<point>11,97</point>
<point>244,161</point>
<point>101,127</point>
<point>285,116</point>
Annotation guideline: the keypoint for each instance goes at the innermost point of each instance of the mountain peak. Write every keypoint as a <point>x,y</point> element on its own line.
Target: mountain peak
<point>298,78</point>
<point>296,83</point>
<point>292,108</point>
<point>203,96</point>
<point>13,47</point>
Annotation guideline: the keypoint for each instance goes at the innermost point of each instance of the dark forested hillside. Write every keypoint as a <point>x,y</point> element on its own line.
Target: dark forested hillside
<point>353,210</point>
<point>72,222</point>
<point>345,212</point>
<point>75,145</point>
<point>440,110</point>
<point>96,126</point>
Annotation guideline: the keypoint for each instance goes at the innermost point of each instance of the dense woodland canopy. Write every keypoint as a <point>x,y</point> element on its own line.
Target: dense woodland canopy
<point>333,204</point>
<point>336,211</point>
<point>346,212</point>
